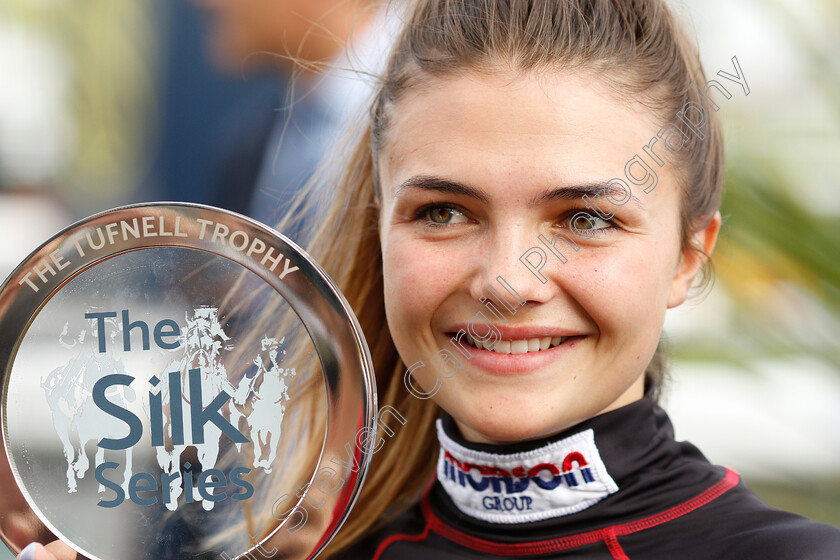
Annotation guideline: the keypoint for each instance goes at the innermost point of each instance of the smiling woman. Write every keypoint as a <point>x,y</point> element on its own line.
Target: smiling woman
<point>496,123</point>
<point>511,140</point>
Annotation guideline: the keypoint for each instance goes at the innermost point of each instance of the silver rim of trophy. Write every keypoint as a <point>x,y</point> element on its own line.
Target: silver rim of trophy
<point>106,323</point>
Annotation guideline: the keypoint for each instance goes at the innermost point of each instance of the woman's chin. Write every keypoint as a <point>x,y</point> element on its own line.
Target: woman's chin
<point>505,429</point>
<point>504,415</point>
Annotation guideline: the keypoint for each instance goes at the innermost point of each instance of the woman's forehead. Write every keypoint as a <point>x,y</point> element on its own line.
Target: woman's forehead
<point>554,123</point>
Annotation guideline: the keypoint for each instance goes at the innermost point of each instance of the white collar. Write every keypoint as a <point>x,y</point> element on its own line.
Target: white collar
<point>557,479</point>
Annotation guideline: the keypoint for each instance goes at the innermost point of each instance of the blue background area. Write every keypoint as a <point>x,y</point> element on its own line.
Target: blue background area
<point>199,106</point>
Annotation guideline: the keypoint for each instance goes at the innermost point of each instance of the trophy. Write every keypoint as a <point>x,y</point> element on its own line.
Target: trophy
<point>179,381</point>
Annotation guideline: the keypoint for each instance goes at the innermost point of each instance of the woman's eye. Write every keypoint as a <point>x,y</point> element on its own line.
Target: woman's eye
<point>442,215</point>
<point>583,221</point>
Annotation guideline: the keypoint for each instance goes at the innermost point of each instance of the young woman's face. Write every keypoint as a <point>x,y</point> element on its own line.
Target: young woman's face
<point>474,169</point>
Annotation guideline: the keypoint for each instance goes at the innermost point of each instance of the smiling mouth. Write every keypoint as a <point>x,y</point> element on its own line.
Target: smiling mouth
<point>524,346</point>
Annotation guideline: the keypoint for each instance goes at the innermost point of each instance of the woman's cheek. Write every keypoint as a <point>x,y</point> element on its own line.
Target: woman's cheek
<point>412,293</point>
<point>412,286</point>
<point>617,289</point>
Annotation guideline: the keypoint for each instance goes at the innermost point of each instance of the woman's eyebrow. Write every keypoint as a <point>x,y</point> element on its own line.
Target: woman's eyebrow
<point>590,190</point>
<point>569,192</point>
<point>441,185</point>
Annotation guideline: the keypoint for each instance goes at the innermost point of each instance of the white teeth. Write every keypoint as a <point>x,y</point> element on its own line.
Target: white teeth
<point>518,346</point>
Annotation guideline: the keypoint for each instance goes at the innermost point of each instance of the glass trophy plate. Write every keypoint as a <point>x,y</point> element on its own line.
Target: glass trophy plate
<point>179,381</point>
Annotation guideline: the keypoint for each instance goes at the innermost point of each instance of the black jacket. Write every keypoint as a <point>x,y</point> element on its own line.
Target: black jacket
<point>667,502</point>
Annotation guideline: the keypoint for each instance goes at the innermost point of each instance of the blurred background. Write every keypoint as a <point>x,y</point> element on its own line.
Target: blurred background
<point>109,102</point>
<point>756,368</point>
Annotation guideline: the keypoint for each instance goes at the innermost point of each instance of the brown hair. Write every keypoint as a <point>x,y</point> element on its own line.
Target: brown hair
<point>636,46</point>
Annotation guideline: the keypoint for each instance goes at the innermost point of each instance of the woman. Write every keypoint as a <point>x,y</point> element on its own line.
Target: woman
<point>500,240</point>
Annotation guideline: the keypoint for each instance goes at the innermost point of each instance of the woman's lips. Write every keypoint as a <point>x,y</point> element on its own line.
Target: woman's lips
<point>516,356</point>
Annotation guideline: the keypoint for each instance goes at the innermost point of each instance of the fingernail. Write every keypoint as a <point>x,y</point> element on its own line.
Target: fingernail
<point>28,553</point>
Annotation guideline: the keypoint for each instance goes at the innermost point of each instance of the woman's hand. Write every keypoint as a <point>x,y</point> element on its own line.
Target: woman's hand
<point>56,550</point>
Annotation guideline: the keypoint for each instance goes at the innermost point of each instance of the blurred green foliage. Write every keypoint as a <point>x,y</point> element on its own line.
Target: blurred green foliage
<point>778,257</point>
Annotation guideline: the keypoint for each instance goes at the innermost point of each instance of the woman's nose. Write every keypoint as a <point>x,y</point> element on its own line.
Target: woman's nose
<point>510,267</point>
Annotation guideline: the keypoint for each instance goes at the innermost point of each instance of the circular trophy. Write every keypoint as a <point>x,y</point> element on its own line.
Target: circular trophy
<point>179,382</point>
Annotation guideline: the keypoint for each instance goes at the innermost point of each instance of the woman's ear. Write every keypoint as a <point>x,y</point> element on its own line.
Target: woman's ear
<point>692,260</point>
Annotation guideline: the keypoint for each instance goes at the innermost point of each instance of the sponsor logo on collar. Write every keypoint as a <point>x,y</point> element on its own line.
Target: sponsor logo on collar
<point>559,479</point>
